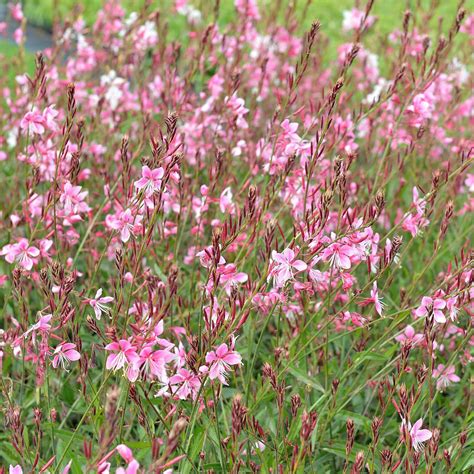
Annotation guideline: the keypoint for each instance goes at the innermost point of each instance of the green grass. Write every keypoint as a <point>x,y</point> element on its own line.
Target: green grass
<point>9,54</point>
<point>8,49</point>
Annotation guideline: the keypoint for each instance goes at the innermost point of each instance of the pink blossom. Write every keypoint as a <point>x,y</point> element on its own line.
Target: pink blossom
<point>374,299</point>
<point>125,222</point>
<point>420,109</point>
<point>353,19</point>
<point>452,307</point>
<point>237,106</point>
<point>44,247</point>
<point>221,359</point>
<point>355,318</point>
<point>72,199</point>
<point>225,202</point>
<point>188,383</point>
<point>42,325</point>
<point>65,353</point>
<point>409,336</point>
<point>206,257</point>
<point>99,303</point>
<point>247,8</point>
<point>125,452</point>
<point>146,36</point>
<point>103,468</point>
<point>339,254</point>
<point>230,277</point>
<point>33,122</point>
<point>21,252</point>
<point>50,115</point>
<point>150,181</point>
<point>414,222</point>
<point>418,436</point>
<point>16,12</point>
<point>15,469</point>
<point>18,36</point>
<point>445,376</point>
<point>132,468</point>
<point>124,353</point>
<point>282,266</point>
<point>428,305</point>
<point>151,363</point>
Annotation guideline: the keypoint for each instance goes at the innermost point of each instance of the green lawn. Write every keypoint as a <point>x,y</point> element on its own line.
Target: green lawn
<point>9,53</point>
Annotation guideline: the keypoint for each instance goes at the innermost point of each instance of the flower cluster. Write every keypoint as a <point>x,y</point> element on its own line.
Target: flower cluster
<point>220,249</point>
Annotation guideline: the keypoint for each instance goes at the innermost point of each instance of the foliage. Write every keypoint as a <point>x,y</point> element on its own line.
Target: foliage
<point>236,247</point>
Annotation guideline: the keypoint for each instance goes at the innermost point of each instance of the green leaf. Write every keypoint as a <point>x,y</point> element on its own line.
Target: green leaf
<point>360,421</point>
<point>469,464</point>
<point>369,355</point>
<point>302,377</point>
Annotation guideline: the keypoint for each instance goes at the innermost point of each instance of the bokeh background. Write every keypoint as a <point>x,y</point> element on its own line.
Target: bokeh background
<point>43,14</point>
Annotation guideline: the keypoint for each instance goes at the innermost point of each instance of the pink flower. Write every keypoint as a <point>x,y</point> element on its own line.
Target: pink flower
<point>150,181</point>
<point>452,307</point>
<point>428,305</point>
<point>132,468</point>
<point>229,277</point>
<point>353,19</point>
<point>445,376</point>
<point>125,452</point>
<point>282,265</point>
<point>339,254</point>
<point>420,109</point>
<point>50,115</point>
<point>374,299</point>
<point>125,222</point>
<point>67,468</point>
<point>151,363</point>
<point>15,469</point>
<point>225,201</point>
<point>72,199</point>
<point>417,435</point>
<point>16,12</point>
<point>237,106</point>
<point>33,122</point>
<point>355,318</point>
<point>409,336</point>
<point>124,353</point>
<point>103,468</point>
<point>18,37</point>
<point>44,246</point>
<point>206,257</point>
<point>42,325</point>
<point>247,8</point>
<point>99,303</point>
<point>221,359</point>
<point>189,384</point>
<point>21,252</point>
<point>413,223</point>
<point>65,353</point>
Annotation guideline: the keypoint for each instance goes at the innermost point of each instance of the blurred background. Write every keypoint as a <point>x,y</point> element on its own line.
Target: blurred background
<point>42,15</point>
